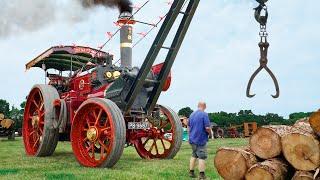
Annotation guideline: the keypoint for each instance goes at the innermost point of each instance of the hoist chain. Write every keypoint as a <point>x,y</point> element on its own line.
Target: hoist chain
<point>263,45</point>
<point>263,33</point>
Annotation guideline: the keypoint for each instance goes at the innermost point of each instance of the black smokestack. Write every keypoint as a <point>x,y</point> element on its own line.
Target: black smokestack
<point>126,22</point>
<point>122,5</point>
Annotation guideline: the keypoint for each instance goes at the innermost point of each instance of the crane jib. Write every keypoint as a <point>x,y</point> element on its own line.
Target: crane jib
<point>175,10</point>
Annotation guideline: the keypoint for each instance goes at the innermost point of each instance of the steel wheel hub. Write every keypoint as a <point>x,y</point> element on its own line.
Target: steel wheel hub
<point>156,133</point>
<point>92,134</point>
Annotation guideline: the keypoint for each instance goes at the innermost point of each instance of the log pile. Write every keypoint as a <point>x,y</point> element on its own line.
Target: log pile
<point>303,175</point>
<point>233,163</point>
<point>5,123</point>
<point>268,170</point>
<point>301,147</point>
<point>6,127</point>
<point>276,153</point>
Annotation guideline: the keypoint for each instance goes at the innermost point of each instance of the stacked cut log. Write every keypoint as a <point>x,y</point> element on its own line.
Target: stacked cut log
<point>5,123</point>
<point>233,163</point>
<point>303,175</point>
<point>268,170</point>
<point>301,147</point>
<point>275,152</point>
<point>266,142</point>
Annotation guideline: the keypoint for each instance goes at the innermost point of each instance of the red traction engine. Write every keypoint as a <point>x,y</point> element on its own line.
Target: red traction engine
<point>101,107</point>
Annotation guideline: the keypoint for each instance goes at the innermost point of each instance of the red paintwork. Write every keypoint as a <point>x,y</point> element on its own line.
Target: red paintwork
<point>81,90</point>
<point>81,84</point>
<point>124,21</point>
<point>152,143</point>
<point>32,134</point>
<point>92,153</point>
<point>156,70</point>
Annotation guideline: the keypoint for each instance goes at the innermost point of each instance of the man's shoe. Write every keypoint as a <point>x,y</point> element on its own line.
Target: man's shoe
<point>192,174</point>
<point>202,176</point>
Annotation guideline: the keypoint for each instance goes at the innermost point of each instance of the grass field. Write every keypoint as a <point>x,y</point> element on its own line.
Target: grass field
<point>14,164</point>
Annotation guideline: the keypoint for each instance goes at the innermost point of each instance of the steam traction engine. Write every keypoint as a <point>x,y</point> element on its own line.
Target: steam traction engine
<point>101,107</point>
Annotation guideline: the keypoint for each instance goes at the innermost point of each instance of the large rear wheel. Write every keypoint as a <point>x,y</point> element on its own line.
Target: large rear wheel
<point>163,139</point>
<point>39,135</point>
<point>98,133</point>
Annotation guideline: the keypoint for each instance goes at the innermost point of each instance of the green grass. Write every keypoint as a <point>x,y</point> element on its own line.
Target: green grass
<point>14,164</point>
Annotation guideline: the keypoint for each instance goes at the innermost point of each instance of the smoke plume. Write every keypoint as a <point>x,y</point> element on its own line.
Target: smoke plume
<point>20,16</point>
<point>123,5</point>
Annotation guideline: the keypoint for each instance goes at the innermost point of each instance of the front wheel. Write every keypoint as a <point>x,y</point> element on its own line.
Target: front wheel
<point>98,133</point>
<point>163,139</point>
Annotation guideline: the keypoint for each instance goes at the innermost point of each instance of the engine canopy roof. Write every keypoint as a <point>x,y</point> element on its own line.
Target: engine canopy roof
<point>66,58</point>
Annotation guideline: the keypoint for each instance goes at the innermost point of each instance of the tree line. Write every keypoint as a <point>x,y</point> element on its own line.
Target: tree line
<point>225,119</point>
<point>222,119</point>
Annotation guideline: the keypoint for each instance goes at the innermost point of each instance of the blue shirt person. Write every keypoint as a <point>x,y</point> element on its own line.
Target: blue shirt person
<point>199,130</point>
<point>198,122</point>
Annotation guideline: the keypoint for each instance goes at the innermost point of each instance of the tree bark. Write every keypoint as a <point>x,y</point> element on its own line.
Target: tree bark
<point>302,175</point>
<point>233,163</point>
<point>272,169</point>
<point>300,147</point>
<point>314,121</point>
<point>266,141</point>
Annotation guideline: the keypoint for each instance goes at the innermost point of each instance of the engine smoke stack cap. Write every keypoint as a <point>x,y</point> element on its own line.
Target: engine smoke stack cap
<point>126,18</point>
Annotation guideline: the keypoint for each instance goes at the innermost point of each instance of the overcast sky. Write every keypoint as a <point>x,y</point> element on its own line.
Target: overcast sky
<point>217,58</point>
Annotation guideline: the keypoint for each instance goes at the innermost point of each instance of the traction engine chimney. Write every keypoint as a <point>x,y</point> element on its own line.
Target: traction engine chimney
<point>126,22</point>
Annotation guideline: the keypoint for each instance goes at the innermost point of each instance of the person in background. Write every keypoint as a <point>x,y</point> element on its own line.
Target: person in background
<point>184,121</point>
<point>199,130</point>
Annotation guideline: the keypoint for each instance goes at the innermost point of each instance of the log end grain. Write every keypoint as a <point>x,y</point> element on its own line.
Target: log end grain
<point>301,151</point>
<point>266,142</point>
<point>233,163</point>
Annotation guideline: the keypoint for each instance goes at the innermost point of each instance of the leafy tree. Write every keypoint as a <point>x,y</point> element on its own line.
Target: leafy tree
<point>23,104</point>
<point>245,112</point>
<point>225,119</point>
<point>185,112</point>
<point>4,107</point>
<point>16,115</point>
<point>299,115</point>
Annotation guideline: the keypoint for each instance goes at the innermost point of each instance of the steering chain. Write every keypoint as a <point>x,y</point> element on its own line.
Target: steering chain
<point>263,45</point>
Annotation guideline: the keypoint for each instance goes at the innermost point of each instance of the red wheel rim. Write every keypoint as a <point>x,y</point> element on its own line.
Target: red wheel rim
<point>92,135</point>
<point>33,122</point>
<point>158,141</point>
